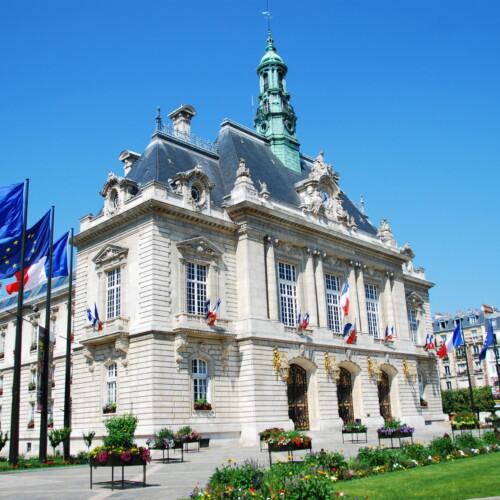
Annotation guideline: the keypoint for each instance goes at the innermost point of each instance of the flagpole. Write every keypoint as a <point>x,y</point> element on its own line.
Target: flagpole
<point>16,383</point>
<point>46,354</point>
<point>471,393</point>
<point>67,380</point>
<point>495,349</point>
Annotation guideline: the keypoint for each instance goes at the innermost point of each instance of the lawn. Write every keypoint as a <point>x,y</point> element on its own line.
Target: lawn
<point>461,479</point>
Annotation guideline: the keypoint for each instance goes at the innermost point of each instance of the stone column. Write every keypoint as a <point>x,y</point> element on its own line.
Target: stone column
<point>272,284</point>
<point>311,302</point>
<point>321,291</point>
<point>360,288</point>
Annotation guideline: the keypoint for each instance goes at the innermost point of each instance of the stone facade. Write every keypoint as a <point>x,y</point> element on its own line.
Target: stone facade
<point>189,221</point>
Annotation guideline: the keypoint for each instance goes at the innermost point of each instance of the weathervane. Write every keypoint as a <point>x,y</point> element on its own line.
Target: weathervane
<point>267,13</point>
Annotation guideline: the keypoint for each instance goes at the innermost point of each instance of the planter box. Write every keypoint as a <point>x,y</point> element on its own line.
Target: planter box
<point>354,436</point>
<point>273,447</point>
<point>114,461</point>
<point>399,435</point>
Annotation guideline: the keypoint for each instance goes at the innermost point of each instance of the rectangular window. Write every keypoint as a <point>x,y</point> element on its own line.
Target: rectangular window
<point>332,284</point>
<point>199,371</point>
<point>113,293</point>
<point>196,287</point>
<point>447,371</point>
<point>476,349</point>
<point>413,325</point>
<point>474,335</point>
<point>442,325</point>
<point>31,415</point>
<point>472,320</point>
<point>448,385</point>
<point>462,368</point>
<point>112,373</point>
<point>2,346</point>
<point>371,295</point>
<point>34,336</point>
<point>287,275</point>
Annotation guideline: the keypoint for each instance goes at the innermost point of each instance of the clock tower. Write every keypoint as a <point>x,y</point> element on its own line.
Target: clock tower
<point>275,118</point>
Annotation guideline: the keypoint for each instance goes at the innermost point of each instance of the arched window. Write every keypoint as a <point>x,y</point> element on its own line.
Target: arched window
<point>199,373</point>
<point>265,78</point>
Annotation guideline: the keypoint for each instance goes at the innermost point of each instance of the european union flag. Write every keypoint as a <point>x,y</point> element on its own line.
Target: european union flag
<point>11,210</point>
<point>37,245</point>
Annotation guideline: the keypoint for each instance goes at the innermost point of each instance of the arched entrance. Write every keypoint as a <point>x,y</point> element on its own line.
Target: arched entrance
<point>297,397</point>
<point>384,396</point>
<point>344,396</point>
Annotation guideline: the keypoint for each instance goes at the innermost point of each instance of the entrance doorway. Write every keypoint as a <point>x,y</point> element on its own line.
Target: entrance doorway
<point>344,396</point>
<point>384,396</point>
<point>297,397</point>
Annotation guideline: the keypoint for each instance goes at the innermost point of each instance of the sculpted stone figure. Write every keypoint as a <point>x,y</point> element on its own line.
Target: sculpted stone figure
<point>385,233</point>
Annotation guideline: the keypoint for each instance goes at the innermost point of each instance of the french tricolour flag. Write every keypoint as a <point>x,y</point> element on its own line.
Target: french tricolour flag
<point>38,272</point>
<point>429,342</point>
<point>455,340</point>
<point>349,333</point>
<point>388,334</point>
<point>211,315</point>
<point>344,299</point>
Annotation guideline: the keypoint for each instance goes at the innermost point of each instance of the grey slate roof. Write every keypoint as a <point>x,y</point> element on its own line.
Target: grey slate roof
<point>166,155</point>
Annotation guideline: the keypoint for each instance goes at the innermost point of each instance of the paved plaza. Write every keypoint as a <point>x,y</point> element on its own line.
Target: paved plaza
<point>169,481</point>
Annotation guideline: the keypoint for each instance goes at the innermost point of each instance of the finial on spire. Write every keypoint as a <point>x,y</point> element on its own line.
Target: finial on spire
<point>267,14</point>
<point>159,124</point>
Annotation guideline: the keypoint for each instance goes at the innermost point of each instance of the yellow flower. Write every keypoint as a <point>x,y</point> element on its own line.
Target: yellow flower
<point>229,459</point>
<point>341,449</point>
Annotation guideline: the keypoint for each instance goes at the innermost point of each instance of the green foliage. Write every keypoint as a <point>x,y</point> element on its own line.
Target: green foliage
<point>456,400</point>
<point>373,457</point>
<point>354,427</point>
<point>3,439</point>
<point>490,438</point>
<point>325,459</point>
<point>248,475</point>
<point>165,433</point>
<point>82,457</point>
<point>121,431</point>
<point>441,447</point>
<point>88,438</point>
<point>184,431</point>
<point>392,424</point>
<point>414,451</point>
<point>57,436</point>
<point>467,441</point>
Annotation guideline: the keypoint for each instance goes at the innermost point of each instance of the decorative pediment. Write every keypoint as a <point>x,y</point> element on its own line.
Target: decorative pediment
<point>200,247</point>
<point>116,191</point>
<point>194,186</point>
<point>415,300</point>
<point>110,256</point>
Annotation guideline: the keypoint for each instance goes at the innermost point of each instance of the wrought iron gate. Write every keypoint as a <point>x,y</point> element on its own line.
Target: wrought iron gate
<point>344,396</point>
<point>297,397</point>
<point>384,396</point>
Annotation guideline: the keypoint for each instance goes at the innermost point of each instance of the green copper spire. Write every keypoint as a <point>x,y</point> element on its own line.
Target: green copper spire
<point>275,118</point>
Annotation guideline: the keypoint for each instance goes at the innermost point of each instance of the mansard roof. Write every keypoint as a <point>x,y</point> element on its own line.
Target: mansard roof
<point>167,155</point>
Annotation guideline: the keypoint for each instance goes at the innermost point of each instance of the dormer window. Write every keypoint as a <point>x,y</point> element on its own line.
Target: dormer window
<point>195,194</point>
<point>472,319</point>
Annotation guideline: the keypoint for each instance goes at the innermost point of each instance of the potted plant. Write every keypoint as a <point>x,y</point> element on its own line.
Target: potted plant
<point>31,386</point>
<point>50,423</point>
<point>33,347</point>
<point>1,392</point>
<point>164,439</point>
<point>118,446</point>
<point>267,433</point>
<point>393,428</point>
<point>464,420</point>
<point>423,402</point>
<point>288,441</point>
<point>109,408</point>
<point>354,428</point>
<point>2,355</point>
<point>88,438</point>
<point>31,424</point>
<point>187,435</point>
<point>202,404</point>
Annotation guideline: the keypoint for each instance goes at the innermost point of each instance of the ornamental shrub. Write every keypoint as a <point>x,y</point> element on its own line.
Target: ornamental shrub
<point>468,441</point>
<point>456,400</point>
<point>248,475</point>
<point>327,460</point>
<point>441,447</point>
<point>413,451</point>
<point>373,457</point>
<point>184,431</point>
<point>120,431</point>
<point>488,438</point>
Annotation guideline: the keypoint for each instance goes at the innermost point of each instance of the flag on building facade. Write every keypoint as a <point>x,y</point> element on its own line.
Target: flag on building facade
<point>97,322</point>
<point>429,342</point>
<point>344,299</point>
<point>11,210</point>
<point>211,315</point>
<point>388,334</point>
<point>488,340</point>
<point>305,321</point>
<point>455,340</point>
<point>38,272</point>
<point>36,246</point>
<point>349,333</point>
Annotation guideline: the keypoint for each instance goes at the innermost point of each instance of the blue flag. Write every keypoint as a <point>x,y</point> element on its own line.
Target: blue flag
<point>11,210</point>
<point>60,256</point>
<point>487,342</point>
<point>37,246</point>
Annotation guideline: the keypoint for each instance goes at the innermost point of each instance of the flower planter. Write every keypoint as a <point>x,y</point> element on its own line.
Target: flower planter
<point>115,461</point>
<point>394,435</point>
<point>288,448</point>
<point>354,436</point>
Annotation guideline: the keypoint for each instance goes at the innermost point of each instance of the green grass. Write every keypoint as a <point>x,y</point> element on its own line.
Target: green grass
<point>475,477</point>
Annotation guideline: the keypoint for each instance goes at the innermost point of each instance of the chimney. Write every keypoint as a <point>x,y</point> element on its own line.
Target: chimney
<point>128,158</point>
<point>487,309</point>
<point>182,118</point>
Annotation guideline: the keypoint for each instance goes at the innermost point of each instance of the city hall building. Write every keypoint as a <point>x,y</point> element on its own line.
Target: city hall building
<point>253,221</point>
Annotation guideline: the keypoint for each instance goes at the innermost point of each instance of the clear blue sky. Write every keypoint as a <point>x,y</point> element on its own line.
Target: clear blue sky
<point>402,96</point>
